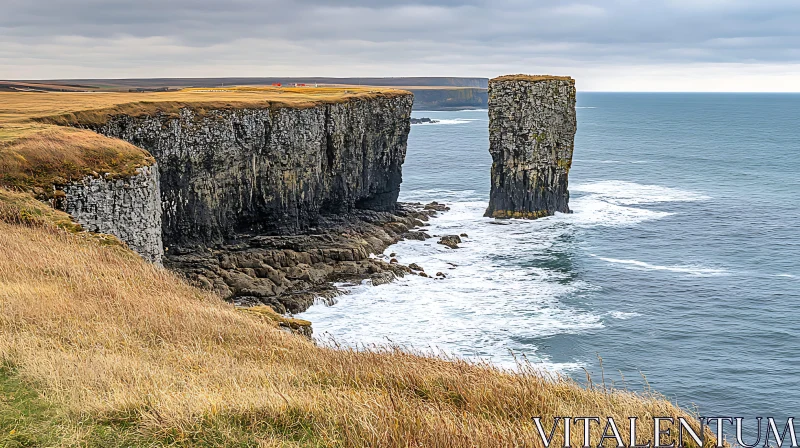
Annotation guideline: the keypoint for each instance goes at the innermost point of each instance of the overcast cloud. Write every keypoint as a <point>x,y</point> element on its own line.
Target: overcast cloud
<point>607,45</point>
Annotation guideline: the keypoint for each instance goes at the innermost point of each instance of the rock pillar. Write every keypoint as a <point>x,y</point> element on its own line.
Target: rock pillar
<point>531,137</point>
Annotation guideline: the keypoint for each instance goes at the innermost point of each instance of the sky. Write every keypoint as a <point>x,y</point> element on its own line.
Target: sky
<point>607,45</point>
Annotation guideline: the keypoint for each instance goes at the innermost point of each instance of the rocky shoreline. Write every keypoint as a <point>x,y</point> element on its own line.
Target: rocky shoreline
<point>423,120</point>
<point>289,272</point>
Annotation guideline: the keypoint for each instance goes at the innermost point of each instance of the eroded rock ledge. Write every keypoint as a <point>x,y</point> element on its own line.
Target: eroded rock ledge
<point>532,128</point>
<point>287,272</point>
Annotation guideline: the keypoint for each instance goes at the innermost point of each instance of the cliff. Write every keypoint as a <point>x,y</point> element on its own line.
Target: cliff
<point>273,171</point>
<point>532,128</point>
<point>262,195</point>
<point>128,208</point>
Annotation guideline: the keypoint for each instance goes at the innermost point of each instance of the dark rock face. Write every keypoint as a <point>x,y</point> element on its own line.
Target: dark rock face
<point>532,128</point>
<point>271,171</point>
<point>128,208</point>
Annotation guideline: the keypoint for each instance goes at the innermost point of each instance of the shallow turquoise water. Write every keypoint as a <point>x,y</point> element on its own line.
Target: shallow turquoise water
<point>681,262</point>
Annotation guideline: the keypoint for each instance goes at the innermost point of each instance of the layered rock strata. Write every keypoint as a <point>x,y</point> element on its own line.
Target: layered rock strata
<point>273,171</point>
<point>532,128</point>
<point>128,208</point>
<point>264,205</point>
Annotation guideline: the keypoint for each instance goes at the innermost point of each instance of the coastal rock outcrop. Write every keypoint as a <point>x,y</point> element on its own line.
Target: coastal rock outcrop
<point>265,206</point>
<point>532,127</point>
<point>271,171</point>
<point>126,207</point>
<point>450,241</point>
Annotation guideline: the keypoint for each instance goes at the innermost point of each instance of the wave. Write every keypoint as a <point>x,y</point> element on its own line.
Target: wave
<point>489,303</point>
<point>631,193</point>
<point>585,107</point>
<point>698,271</point>
<point>450,121</point>
<point>608,203</point>
<point>621,315</point>
<point>591,211</point>
<point>494,298</point>
<point>608,161</point>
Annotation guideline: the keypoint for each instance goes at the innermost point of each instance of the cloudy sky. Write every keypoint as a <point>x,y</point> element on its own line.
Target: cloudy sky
<point>639,45</point>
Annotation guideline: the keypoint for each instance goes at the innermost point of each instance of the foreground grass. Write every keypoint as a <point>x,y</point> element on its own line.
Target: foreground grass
<point>98,348</point>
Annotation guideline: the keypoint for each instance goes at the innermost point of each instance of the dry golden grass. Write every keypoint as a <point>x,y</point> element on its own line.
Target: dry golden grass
<point>531,78</point>
<point>109,340</point>
<point>59,155</point>
<point>26,106</point>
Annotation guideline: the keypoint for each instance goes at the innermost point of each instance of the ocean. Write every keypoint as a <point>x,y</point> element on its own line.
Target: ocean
<point>679,268</point>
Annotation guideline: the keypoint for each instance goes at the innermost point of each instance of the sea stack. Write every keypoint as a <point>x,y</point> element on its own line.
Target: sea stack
<point>531,137</point>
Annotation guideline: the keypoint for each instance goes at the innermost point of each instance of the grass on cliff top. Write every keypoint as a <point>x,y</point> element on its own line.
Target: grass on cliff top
<point>20,107</point>
<point>532,78</point>
<point>99,348</point>
<point>36,150</point>
<point>37,161</point>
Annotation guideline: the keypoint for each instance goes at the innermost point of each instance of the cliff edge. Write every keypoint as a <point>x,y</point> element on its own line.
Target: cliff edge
<point>532,128</point>
<point>263,195</point>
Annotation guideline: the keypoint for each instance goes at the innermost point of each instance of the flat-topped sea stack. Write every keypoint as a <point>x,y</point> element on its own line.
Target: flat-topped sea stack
<point>532,128</point>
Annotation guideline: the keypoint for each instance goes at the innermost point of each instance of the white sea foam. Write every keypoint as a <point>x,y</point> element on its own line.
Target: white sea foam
<point>699,271</point>
<point>630,193</point>
<point>585,107</point>
<point>621,315</point>
<point>450,121</point>
<point>492,300</point>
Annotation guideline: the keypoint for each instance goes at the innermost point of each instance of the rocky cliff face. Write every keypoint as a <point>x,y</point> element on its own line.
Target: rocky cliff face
<point>128,208</point>
<point>532,128</point>
<point>263,205</point>
<point>271,171</point>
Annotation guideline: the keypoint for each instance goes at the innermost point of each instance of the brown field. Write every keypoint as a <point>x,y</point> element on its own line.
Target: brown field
<point>100,348</point>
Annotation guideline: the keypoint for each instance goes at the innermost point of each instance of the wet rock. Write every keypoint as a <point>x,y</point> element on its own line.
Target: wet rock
<point>450,241</point>
<point>435,206</point>
<point>290,272</point>
<point>440,274</point>
<point>422,274</point>
<point>423,120</point>
<point>465,235</point>
<point>418,236</point>
<point>393,261</point>
<point>415,267</point>
<point>382,278</point>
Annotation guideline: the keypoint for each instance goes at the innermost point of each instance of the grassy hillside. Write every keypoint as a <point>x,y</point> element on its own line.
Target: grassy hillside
<point>99,348</point>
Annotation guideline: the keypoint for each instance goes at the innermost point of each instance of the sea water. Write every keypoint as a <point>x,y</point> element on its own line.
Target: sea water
<point>679,268</point>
